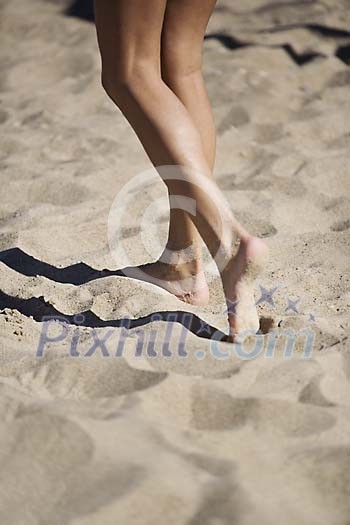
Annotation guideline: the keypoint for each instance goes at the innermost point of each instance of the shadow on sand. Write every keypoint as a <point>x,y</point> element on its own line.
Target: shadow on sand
<point>84,9</point>
<point>78,274</point>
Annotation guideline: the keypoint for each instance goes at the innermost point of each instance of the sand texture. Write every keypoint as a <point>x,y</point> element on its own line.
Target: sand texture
<point>88,438</point>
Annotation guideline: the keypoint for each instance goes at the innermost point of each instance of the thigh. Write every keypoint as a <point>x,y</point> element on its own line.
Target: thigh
<point>185,22</point>
<point>129,30</point>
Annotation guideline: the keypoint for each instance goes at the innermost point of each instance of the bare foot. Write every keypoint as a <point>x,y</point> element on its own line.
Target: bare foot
<point>238,282</point>
<point>186,281</point>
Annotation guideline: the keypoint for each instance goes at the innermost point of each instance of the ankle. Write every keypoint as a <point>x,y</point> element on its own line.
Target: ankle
<point>253,246</point>
<point>189,257</point>
<point>245,240</point>
<point>249,249</point>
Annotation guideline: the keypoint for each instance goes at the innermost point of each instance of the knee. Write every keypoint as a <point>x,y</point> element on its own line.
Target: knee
<point>179,59</point>
<point>116,84</point>
<point>124,84</point>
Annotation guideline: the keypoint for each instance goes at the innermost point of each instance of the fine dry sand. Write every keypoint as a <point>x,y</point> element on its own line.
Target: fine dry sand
<point>153,440</point>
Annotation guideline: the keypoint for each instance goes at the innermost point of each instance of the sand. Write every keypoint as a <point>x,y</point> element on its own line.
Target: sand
<point>210,437</point>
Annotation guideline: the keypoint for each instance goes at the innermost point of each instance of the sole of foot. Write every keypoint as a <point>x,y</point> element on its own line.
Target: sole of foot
<point>238,281</point>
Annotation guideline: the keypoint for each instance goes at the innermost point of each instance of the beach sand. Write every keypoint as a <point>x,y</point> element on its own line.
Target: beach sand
<point>88,438</point>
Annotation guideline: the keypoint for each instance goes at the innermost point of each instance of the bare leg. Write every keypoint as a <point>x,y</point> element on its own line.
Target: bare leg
<point>129,34</point>
<point>183,33</point>
<point>182,38</point>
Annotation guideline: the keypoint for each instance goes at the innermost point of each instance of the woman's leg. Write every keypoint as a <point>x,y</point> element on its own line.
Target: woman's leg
<point>183,31</point>
<point>129,34</point>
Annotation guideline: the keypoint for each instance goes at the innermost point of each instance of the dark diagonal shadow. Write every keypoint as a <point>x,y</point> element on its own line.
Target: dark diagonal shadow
<point>300,58</point>
<point>40,310</point>
<point>232,43</point>
<point>327,31</point>
<point>343,53</point>
<point>81,273</point>
<point>228,41</point>
<point>77,274</point>
<point>83,9</point>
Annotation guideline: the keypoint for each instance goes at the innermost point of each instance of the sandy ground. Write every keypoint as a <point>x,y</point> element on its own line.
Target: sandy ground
<point>89,438</point>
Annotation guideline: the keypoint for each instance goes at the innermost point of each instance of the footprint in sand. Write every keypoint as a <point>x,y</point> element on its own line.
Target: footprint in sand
<point>3,116</point>
<point>328,471</point>
<point>55,459</point>
<point>311,394</point>
<point>286,377</point>
<point>224,502</point>
<point>58,192</point>
<point>341,226</point>
<point>237,116</point>
<point>215,466</point>
<point>94,378</point>
<point>48,449</point>
<point>132,231</point>
<point>340,79</point>
<point>216,410</point>
<point>268,133</point>
<point>38,119</point>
